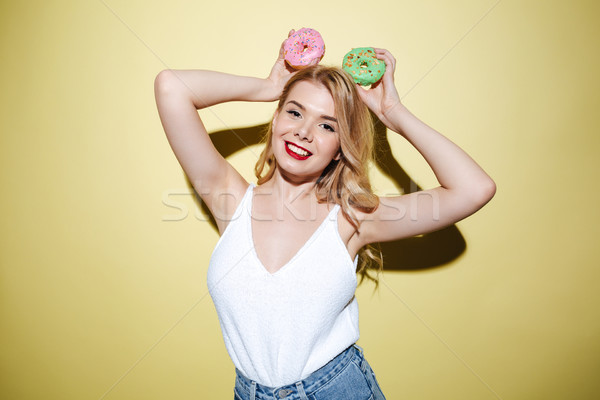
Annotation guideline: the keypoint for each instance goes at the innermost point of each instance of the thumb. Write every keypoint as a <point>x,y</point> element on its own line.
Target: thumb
<point>282,48</point>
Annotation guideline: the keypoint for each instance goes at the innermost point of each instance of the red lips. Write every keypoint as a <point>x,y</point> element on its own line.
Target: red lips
<point>296,156</point>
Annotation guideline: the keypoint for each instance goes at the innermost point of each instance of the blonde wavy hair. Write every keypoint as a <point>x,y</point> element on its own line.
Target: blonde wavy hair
<point>344,181</point>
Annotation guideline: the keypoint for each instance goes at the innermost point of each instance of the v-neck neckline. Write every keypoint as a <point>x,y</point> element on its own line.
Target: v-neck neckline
<point>300,250</point>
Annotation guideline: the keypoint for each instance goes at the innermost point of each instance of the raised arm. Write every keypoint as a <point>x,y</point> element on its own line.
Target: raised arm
<point>464,185</point>
<point>179,94</point>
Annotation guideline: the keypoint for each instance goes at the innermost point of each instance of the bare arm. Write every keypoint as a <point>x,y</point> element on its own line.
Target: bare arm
<point>464,186</point>
<point>206,88</point>
<point>179,94</point>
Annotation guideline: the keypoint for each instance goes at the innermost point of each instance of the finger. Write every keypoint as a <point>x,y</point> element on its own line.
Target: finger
<point>383,51</point>
<point>282,49</point>
<point>388,77</point>
<point>385,55</point>
<point>390,64</point>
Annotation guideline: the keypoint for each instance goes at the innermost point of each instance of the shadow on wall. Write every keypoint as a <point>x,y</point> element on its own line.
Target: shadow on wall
<point>412,254</point>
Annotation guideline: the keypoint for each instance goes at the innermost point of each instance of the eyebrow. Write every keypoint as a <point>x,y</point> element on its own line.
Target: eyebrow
<point>327,117</point>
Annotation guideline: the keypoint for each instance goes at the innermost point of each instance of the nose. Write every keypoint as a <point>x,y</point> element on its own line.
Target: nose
<point>304,132</point>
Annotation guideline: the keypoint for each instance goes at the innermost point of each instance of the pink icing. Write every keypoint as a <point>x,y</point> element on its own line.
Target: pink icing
<point>304,46</point>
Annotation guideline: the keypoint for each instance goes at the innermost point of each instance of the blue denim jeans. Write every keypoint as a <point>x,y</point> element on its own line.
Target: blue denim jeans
<point>346,377</point>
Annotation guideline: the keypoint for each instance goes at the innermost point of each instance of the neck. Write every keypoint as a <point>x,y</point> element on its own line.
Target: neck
<point>288,190</point>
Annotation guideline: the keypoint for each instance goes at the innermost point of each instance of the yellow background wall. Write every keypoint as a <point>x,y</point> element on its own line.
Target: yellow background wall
<point>102,297</point>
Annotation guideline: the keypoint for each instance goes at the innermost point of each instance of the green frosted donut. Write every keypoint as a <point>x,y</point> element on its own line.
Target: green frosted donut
<point>363,66</point>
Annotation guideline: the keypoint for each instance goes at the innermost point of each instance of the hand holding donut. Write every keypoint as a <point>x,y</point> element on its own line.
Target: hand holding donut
<point>291,58</point>
<point>383,96</point>
<point>280,73</point>
<point>304,48</point>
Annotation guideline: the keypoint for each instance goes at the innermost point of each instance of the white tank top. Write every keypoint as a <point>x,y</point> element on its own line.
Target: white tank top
<point>279,328</point>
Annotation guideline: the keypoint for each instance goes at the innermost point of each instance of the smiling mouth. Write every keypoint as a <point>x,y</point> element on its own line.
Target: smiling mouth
<point>297,152</point>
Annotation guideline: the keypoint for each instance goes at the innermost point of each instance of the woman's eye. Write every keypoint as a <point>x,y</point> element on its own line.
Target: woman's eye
<point>293,113</point>
<point>328,127</point>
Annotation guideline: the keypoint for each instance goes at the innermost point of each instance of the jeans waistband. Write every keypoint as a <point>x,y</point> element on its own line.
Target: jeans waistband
<point>298,390</point>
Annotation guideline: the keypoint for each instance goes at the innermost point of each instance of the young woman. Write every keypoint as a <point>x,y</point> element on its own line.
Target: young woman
<point>283,273</point>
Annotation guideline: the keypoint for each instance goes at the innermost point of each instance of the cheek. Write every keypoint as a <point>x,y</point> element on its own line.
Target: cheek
<point>280,127</point>
<point>333,143</point>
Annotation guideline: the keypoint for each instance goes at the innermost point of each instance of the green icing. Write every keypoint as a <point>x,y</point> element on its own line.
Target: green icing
<point>363,66</point>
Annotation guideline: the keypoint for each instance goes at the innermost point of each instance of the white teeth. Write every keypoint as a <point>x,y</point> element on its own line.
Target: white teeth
<point>297,150</point>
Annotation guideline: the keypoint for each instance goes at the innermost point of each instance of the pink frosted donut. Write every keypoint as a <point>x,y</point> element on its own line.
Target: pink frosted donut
<point>303,47</point>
